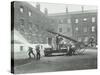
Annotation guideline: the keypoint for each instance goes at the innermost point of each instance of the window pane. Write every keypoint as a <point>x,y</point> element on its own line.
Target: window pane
<point>76,28</point>
<point>86,39</point>
<point>76,20</point>
<point>30,13</point>
<point>93,19</point>
<point>21,9</point>
<point>93,28</point>
<point>85,19</point>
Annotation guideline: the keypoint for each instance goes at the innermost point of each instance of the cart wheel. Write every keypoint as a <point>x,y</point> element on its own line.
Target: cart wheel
<point>80,51</point>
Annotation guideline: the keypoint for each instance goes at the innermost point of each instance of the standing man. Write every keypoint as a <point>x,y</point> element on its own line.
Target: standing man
<point>30,51</point>
<point>73,48</point>
<point>38,52</point>
<point>57,42</point>
<point>69,47</point>
<point>91,40</point>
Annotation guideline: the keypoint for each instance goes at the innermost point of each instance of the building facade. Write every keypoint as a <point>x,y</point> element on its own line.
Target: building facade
<point>80,25</point>
<point>84,25</point>
<point>62,24</point>
<point>32,23</point>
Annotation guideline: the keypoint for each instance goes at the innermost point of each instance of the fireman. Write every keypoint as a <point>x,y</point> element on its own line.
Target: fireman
<point>30,51</point>
<point>57,42</point>
<point>38,52</point>
<point>71,48</point>
<point>91,40</point>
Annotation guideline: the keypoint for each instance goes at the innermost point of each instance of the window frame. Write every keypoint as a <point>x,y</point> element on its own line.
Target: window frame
<point>29,13</point>
<point>84,19</point>
<point>93,19</point>
<point>93,28</point>
<point>76,20</point>
<point>21,9</point>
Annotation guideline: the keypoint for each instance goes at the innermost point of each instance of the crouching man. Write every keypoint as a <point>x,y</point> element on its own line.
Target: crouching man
<point>30,51</point>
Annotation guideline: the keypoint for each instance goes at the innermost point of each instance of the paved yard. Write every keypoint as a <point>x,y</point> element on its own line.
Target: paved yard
<point>58,63</point>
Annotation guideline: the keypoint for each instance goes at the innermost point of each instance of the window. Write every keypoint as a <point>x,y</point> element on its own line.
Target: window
<point>76,29</point>
<point>93,28</point>
<point>49,41</point>
<point>21,9</point>
<point>60,29</point>
<point>69,20</point>
<point>30,13</point>
<point>93,19</point>
<point>76,20</point>
<point>86,39</point>
<point>85,19</point>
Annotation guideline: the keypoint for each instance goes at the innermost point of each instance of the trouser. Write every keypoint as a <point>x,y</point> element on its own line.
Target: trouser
<point>73,51</point>
<point>70,52</point>
<point>30,54</point>
<point>57,47</point>
<point>38,55</point>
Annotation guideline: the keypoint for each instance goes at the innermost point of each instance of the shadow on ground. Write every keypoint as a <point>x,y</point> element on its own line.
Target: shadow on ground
<point>18,62</point>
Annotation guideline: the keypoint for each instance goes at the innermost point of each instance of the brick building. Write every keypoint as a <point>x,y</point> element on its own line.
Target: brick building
<point>80,25</point>
<point>62,23</point>
<point>84,25</point>
<point>31,22</point>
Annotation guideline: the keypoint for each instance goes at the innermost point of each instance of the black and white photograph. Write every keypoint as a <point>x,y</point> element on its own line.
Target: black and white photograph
<point>52,37</point>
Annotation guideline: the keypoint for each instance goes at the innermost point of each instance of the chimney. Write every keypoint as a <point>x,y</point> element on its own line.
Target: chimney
<point>46,11</point>
<point>67,10</point>
<point>38,6</point>
<point>82,7</point>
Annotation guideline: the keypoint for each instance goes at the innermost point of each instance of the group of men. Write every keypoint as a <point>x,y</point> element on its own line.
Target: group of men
<point>30,51</point>
<point>70,49</point>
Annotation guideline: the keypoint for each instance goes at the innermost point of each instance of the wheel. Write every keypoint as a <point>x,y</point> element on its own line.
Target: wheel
<point>79,50</point>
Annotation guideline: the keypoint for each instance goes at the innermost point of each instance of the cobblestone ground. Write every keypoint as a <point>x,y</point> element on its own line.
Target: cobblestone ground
<point>58,63</point>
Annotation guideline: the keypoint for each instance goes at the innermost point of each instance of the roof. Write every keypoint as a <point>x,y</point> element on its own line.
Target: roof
<point>70,13</point>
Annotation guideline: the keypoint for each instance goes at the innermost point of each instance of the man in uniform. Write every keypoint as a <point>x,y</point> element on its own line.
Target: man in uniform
<point>38,52</point>
<point>57,41</point>
<point>91,40</point>
<point>30,51</point>
<point>71,48</point>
